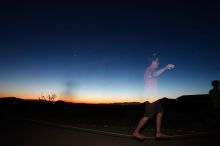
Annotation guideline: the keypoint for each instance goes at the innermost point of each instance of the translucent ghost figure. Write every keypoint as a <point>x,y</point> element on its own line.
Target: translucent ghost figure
<point>150,77</point>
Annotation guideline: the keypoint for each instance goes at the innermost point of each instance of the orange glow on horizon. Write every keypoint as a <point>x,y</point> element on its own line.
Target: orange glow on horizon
<point>87,100</point>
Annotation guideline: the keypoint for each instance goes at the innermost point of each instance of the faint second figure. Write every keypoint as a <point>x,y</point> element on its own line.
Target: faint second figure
<point>214,94</point>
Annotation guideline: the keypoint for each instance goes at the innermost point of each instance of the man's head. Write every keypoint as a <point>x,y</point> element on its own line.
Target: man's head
<point>155,62</point>
<point>215,84</point>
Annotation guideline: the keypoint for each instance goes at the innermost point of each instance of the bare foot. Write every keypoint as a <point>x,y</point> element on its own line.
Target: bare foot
<point>138,136</point>
<point>161,136</point>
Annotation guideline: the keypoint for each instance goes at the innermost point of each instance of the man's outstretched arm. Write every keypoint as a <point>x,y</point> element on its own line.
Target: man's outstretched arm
<point>160,71</point>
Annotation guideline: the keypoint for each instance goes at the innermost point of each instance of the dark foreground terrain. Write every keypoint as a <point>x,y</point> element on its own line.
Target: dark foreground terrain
<point>184,115</point>
<point>26,133</point>
<point>192,113</point>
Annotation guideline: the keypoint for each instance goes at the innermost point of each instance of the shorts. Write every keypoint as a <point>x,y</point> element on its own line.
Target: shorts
<point>151,109</point>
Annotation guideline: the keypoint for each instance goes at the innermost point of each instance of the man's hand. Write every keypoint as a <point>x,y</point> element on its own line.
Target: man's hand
<point>170,66</point>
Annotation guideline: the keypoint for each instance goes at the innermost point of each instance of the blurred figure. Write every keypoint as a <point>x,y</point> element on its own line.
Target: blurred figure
<point>215,97</point>
<point>153,108</point>
<point>151,75</point>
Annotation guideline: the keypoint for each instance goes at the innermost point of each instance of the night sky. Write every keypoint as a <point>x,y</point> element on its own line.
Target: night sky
<point>97,51</point>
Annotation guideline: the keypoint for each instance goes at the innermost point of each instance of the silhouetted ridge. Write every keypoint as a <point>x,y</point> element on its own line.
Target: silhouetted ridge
<point>185,111</point>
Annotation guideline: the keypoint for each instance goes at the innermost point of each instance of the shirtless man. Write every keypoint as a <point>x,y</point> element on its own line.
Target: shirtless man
<point>153,108</point>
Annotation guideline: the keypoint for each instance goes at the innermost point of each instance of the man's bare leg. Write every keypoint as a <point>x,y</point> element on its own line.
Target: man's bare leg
<point>140,125</point>
<point>159,134</point>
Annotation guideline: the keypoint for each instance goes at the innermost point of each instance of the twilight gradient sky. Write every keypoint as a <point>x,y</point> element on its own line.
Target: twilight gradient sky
<point>97,51</point>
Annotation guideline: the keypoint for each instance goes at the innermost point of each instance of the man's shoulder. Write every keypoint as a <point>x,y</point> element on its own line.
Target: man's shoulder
<point>214,92</point>
<point>210,91</point>
<point>149,69</point>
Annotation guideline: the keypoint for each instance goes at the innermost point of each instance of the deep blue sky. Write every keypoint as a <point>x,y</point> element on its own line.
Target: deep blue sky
<point>97,51</point>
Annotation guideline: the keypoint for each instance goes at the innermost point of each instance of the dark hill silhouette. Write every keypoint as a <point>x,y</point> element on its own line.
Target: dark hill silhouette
<point>188,111</point>
<point>10,100</point>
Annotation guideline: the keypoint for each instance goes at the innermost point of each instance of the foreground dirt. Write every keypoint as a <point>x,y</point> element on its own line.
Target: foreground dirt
<point>26,133</point>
